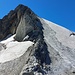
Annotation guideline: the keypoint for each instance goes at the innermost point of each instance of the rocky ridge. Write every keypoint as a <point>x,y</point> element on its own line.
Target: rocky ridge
<point>26,23</point>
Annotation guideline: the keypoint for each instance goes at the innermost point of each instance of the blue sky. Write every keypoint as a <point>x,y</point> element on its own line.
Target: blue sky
<point>61,12</point>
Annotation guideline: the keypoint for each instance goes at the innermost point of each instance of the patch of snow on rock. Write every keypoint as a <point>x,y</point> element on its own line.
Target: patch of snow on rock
<point>6,41</point>
<point>14,49</point>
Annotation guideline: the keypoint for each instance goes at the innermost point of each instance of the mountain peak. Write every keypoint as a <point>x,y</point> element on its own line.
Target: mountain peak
<point>9,22</point>
<point>21,6</point>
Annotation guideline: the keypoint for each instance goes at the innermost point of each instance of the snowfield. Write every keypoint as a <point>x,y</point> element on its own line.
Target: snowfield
<point>62,34</point>
<point>13,49</point>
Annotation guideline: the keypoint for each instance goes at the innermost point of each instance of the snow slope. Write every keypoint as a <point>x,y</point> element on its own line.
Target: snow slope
<point>13,49</point>
<point>61,47</point>
<point>62,34</point>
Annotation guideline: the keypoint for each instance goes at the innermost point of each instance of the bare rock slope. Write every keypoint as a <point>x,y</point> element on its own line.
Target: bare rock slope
<point>31,45</point>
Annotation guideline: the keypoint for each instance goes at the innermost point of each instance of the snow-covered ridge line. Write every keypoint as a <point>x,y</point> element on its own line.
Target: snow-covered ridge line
<point>47,21</point>
<point>62,34</point>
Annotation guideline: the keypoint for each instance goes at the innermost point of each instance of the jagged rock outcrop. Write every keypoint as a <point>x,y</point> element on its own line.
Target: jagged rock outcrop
<point>9,23</point>
<point>34,46</point>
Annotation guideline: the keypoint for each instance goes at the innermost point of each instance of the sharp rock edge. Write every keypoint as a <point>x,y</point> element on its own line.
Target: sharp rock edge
<point>31,45</point>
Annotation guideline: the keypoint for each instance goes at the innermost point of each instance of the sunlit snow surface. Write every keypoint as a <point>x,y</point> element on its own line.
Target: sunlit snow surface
<point>62,34</point>
<point>13,49</point>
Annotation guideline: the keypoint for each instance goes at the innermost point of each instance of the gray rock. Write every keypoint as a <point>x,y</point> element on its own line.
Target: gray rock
<point>2,46</point>
<point>23,29</point>
<point>9,23</point>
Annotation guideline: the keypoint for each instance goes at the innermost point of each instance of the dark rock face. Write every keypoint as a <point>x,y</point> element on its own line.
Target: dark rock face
<point>29,24</point>
<point>9,23</point>
<point>31,73</point>
<point>21,16</point>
